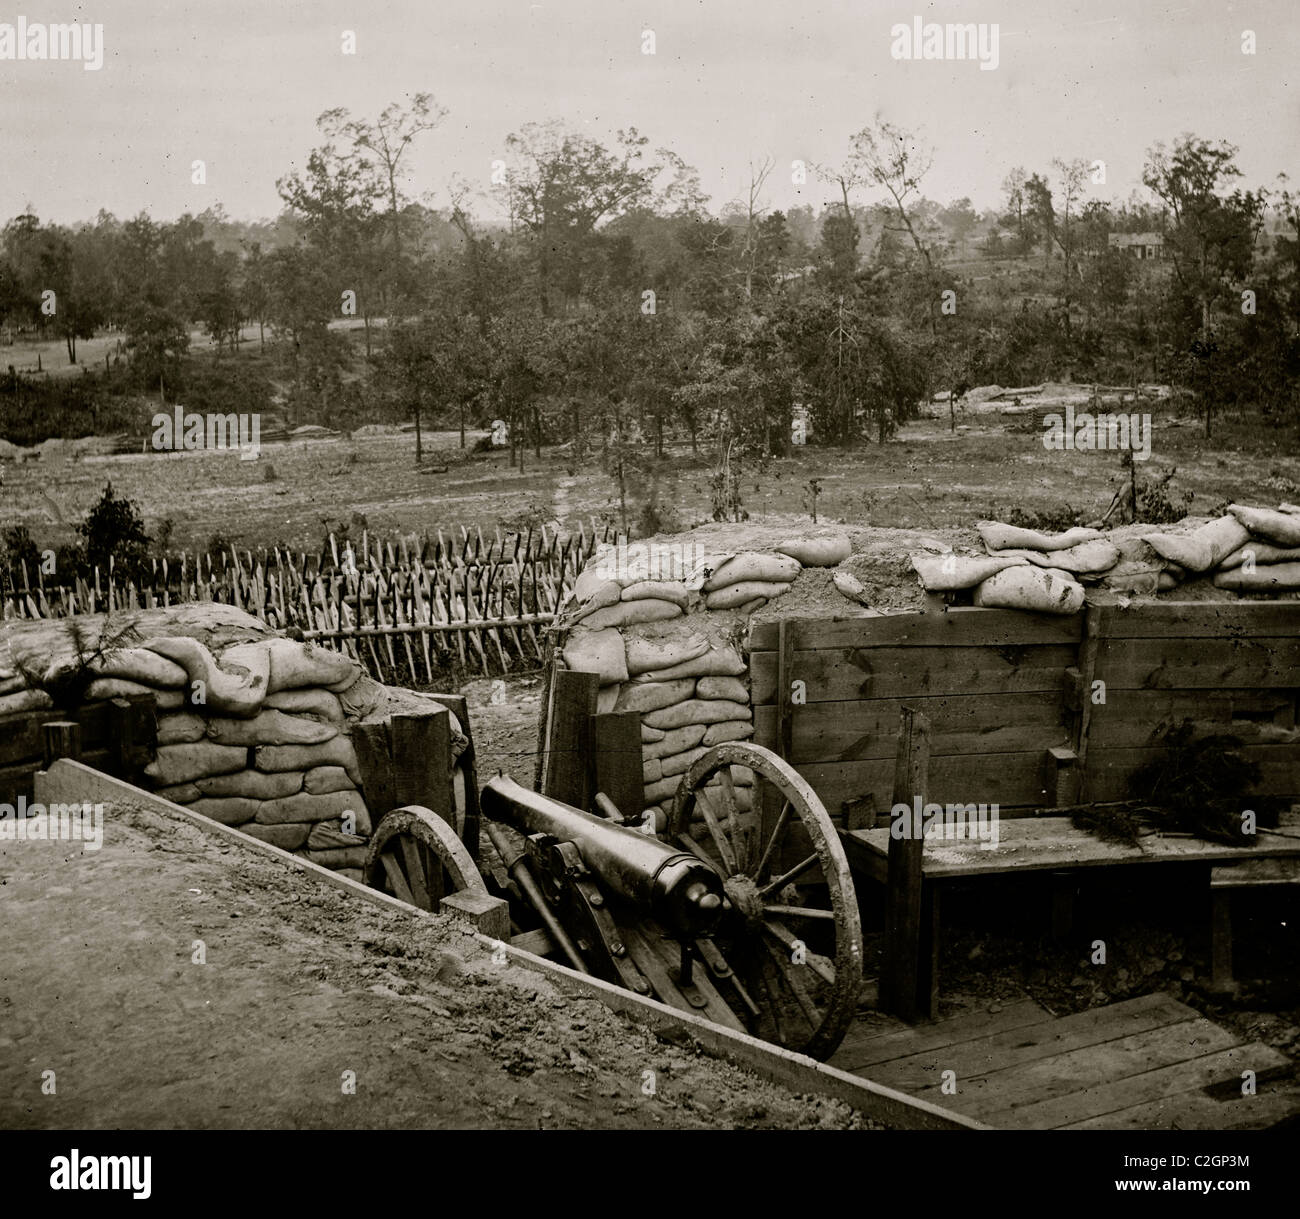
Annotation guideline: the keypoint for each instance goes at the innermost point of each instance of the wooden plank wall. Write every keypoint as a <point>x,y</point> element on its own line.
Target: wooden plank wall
<point>1002,688</point>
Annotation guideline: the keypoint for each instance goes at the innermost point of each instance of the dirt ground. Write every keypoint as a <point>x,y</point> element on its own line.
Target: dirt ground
<point>927,478</point>
<point>302,984</point>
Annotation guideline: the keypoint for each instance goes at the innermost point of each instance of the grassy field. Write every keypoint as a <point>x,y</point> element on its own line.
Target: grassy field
<point>926,478</point>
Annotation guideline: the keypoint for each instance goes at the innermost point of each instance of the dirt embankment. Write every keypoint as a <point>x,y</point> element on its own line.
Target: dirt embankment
<point>302,984</point>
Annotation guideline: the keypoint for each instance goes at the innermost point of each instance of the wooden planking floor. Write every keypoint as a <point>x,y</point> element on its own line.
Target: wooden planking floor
<point>1150,1063</point>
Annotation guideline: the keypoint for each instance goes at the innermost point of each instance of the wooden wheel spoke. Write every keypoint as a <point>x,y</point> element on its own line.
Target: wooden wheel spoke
<point>717,833</point>
<point>393,870</point>
<point>800,912</point>
<point>728,792</point>
<point>777,829</point>
<point>814,960</point>
<point>780,882</point>
<point>416,870</point>
<point>794,984</point>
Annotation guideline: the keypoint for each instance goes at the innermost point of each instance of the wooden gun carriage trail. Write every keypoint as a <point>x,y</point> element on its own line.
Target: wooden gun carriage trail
<point>407,608</point>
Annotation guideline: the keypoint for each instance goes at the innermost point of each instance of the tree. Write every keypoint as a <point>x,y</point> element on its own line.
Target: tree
<point>896,161</point>
<point>560,186</point>
<point>1212,236</point>
<point>380,146</point>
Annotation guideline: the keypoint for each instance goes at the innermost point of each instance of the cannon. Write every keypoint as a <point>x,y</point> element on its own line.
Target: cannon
<point>745,916</point>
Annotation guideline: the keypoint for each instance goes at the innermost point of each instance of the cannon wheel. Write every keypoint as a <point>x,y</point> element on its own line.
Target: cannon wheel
<point>801,999</point>
<point>415,855</point>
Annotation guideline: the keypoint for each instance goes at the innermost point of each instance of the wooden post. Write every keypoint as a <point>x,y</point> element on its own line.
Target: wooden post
<point>459,707</point>
<point>784,678</point>
<point>62,740</point>
<point>616,738</point>
<point>901,977</point>
<point>133,733</point>
<point>566,769</point>
<point>375,761</point>
<point>1089,646</point>
<point>422,762</point>
<point>1060,777</point>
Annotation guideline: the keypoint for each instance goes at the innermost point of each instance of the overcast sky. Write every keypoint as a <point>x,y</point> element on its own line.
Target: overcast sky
<point>240,83</point>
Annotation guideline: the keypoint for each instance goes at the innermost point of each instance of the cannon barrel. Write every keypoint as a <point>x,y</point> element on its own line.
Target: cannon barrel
<point>678,888</point>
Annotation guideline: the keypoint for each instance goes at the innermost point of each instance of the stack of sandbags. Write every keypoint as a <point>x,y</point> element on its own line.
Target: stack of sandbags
<point>253,729</point>
<point>659,623</point>
<point>1269,559</point>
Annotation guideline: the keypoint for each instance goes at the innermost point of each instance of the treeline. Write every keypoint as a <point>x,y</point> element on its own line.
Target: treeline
<point>607,302</point>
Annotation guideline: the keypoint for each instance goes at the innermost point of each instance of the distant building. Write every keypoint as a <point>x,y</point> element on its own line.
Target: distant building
<point>1142,246</point>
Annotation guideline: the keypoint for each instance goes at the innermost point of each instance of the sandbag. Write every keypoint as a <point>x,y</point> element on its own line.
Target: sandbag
<point>1281,528</point>
<point>728,730</point>
<point>697,711</point>
<point>1204,547</point>
<point>651,770</point>
<point>665,789</point>
<point>1041,589</point>
<point>287,837</point>
<point>305,807</point>
<point>735,596</point>
<point>321,704</point>
<point>1167,581</point>
<point>252,784</point>
<point>1267,577</point>
<point>607,699</point>
<point>104,688</point>
<point>235,687</point>
<point>653,695</point>
<point>731,688</point>
<point>630,613</point>
<point>591,591</point>
<point>1143,581</point>
<point>659,590</point>
<point>142,665</point>
<point>600,652</point>
<point>651,735</point>
<point>185,763</point>
<point>1261,552</point>
<point>663,652</point>
<point>338,859</point>
<point>680,763</point>
<point>324,779</point>
<point>181,728</point>
<point>944,573</point>
<point>676,741</point>
<point>998,536</point>
<point>325,835</point>
<point>818,550</point>
<point>850,586</point>
<point>182,793</point>
<point>229,810</point>
<point>296,665</point>
<point>170,700</point>
<point>637,562</point>
<point>338,752</point>
<point>753,566</point>
<point>1086,558</point>
<point>270,728</point>
<point>721,662</point>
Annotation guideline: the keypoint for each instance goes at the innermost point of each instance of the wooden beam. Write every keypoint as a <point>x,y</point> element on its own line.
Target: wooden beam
<point>62,740</point>
<point>421,747</point>
<point>375,761</point>
<point>900,978</point>
<point>567,769</point>
<point>961,626</point>
<point>616,742</point>
<point>133,733</point>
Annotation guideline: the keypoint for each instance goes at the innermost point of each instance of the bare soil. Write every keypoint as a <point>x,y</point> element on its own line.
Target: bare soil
<point>302,984</point>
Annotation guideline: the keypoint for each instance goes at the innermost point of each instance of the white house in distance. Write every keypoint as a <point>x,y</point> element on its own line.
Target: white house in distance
<point>1142,246</point>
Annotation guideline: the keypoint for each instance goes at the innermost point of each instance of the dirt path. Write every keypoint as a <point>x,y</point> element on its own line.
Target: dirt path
<point>302,984</point>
